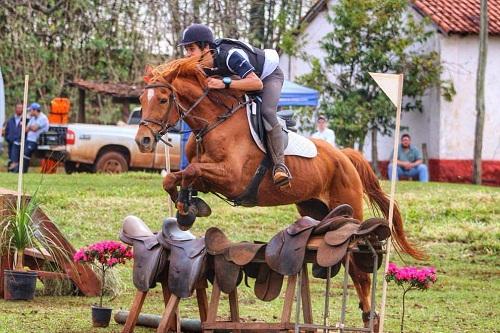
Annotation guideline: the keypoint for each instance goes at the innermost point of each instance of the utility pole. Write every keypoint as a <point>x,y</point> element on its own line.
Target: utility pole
<point>480,111</point>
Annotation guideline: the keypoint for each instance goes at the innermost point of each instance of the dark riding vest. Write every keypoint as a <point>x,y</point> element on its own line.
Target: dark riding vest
<point>256,57</point>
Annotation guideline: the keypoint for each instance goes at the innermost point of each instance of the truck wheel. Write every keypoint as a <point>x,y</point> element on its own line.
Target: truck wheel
<point>69,167</point>
<point>111,162</point>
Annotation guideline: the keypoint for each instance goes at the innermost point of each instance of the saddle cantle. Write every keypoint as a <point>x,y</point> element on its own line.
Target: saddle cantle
<point>229,258</point>
<point>178,253</point>
<point>150,258</point>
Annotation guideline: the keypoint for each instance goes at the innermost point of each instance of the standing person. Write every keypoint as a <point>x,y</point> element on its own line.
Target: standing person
<point>37,125</point>
<point>12,132</point>
<point>324,133</point>
<point>409,161</point>
<point>257,70</point>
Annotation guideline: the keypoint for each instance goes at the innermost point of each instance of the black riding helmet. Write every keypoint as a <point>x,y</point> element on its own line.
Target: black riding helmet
<point>197,33</point>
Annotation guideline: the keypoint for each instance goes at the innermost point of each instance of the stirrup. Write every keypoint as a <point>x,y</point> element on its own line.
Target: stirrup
<point>285,174</point>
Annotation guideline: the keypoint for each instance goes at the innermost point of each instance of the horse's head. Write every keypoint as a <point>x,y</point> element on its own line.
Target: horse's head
<point>160,100</point>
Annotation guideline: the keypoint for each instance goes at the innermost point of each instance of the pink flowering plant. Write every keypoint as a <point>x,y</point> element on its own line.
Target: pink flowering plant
<point>410,278</point>
<point>103,255</point>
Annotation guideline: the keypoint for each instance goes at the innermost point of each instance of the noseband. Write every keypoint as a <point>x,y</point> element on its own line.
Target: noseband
<point>181,110</point>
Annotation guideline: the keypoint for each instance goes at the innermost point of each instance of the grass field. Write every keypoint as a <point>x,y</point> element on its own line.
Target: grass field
<point>457,225</point>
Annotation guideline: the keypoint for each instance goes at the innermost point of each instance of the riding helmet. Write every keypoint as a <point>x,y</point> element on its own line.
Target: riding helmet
<point>196,33</point>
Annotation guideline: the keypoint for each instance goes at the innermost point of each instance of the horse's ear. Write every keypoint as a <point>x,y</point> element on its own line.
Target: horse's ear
<point>148,73</point>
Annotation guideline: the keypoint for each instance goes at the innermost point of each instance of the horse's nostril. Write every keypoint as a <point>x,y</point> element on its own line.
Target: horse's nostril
<point>146,140</point>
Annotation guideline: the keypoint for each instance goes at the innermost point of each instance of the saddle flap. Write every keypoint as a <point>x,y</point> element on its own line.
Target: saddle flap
<point>170,230</point>
<point>341,235</point>
<point>185,271</point>
<point>216,241</point>
<point>268,283</point>
<point>244,252</point>
<point>135,228</point>
<point>285,253</point>
<point>227,273</point>
<point>302,224</point>
<point>148,264</point>
<point>378,226</point>
<point>328,255</point>
<point>150,242</point>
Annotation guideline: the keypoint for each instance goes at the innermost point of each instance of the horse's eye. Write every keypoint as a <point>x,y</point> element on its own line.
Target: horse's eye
<point>163,101</point>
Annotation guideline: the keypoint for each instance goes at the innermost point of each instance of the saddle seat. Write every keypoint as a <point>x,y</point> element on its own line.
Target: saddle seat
<point>150,258</point>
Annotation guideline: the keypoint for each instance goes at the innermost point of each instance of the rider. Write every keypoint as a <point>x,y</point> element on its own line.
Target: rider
<point>257,70</point>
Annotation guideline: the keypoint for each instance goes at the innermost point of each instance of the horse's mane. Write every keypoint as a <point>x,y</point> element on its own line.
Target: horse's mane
<point>187,68</point>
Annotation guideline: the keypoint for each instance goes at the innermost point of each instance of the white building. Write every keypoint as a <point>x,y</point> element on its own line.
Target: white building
<point>447,128</point>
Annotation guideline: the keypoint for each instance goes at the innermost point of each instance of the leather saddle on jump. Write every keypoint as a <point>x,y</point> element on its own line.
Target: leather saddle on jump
<point>229,258</point>
<point>172,251</point>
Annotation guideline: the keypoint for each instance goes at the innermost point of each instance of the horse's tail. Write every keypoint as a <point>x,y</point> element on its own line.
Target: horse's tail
<point>380,200</point>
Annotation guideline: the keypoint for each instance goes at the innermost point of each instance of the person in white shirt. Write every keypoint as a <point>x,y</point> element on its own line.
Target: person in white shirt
<point>324,133</point>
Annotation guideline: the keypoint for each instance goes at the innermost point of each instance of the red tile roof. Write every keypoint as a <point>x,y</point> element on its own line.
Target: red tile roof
<point>459,16</point>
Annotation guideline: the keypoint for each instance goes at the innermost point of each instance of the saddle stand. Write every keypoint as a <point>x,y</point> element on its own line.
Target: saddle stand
<point>235,325</point>
<point>367,248</point>
<point>170,321</point>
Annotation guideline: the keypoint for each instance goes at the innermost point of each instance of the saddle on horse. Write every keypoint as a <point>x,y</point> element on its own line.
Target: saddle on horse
<point>174,252</point>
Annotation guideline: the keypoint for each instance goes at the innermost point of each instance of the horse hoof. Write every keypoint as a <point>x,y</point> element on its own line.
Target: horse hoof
<point>366,320</point>
<point>186,221</point>
<point>203,209</point>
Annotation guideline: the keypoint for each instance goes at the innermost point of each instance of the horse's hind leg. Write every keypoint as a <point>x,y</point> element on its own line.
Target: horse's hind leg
<point>362,283</point>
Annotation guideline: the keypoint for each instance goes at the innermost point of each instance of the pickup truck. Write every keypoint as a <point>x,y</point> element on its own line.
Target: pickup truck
<point>105,148</point>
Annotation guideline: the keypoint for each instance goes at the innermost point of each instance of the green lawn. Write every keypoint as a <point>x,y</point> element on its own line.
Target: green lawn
<point>457,225</point>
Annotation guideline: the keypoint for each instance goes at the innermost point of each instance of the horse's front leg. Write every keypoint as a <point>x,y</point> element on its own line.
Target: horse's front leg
<point>211,173</point>
<point>170,183</point>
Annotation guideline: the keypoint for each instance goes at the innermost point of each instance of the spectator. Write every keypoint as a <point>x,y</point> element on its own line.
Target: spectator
<point>37,125</point>
<point>12,132</point>
<point>409,161</point>
<point>324,133</point>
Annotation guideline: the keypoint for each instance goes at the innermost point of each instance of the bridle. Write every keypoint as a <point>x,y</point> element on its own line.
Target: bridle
<point>185,112</point>
<point>181,110</point>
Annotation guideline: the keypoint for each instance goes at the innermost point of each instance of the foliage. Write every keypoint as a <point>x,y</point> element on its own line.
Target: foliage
<point>410,278</point>
<point>104,255</point>
<point>372,36</point>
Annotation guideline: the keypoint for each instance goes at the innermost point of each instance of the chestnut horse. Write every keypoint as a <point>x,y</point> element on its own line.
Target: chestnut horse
<point>223,157</point>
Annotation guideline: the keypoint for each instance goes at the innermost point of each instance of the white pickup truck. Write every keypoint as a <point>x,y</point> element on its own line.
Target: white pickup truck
<point>105,148</point>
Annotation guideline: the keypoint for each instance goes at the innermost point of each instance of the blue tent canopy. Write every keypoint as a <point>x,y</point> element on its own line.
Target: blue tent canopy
<point>293,94</point>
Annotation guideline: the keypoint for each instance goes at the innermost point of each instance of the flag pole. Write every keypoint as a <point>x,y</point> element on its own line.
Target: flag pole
<point>392,198</point>
<point>168,169</point>
<point>23,136</point>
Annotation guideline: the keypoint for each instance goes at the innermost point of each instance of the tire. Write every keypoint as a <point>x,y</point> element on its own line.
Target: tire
<point>111,162</point>
<point>69,167</point>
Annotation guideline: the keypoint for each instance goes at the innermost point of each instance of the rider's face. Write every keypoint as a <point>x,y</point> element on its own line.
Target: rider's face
<point>193,50</point>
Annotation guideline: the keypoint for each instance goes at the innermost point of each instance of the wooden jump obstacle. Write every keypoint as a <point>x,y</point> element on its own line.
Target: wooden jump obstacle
<point>80,274</point>
<point>297,291</point>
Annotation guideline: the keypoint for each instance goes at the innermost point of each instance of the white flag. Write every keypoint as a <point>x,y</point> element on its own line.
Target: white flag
<point>391,85</point>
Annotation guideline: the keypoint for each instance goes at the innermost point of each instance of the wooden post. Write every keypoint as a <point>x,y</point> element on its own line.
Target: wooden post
<point>481,69</point>
<point>289,295</point>
<point>81,105</point>
<point>172,304</point>
<point>306,296</point>
<point>135,310</point>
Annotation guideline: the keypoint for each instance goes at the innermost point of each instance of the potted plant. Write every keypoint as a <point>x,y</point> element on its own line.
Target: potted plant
<point>103,256</point>
<point>18,231</point>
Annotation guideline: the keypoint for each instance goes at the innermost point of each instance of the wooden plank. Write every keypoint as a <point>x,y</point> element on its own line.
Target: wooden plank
<point>172,304</point>
<point>135,310</point>
<point>228,325</point>
<point>289,296</point>
<point>233,306</point>
<point>305,295</point>
<point>172,325</point>
<point>214,302</point>
<point>51,275</point>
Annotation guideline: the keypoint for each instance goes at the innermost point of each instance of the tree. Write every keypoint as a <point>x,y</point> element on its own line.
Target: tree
<point>373,36</point>
<point>481,68</point>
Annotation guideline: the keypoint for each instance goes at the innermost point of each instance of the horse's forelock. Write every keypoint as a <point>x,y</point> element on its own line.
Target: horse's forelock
<point>186,67</point>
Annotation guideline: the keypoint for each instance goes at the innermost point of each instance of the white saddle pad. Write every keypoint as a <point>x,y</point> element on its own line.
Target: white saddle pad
<point>297,144</point>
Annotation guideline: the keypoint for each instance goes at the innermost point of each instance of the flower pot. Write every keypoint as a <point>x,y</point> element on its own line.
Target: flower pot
<point>101,316</point>
<point>19,285</point>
